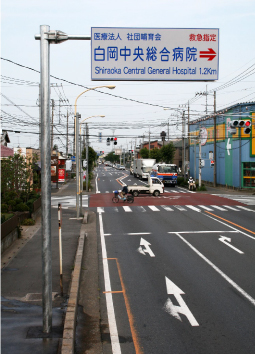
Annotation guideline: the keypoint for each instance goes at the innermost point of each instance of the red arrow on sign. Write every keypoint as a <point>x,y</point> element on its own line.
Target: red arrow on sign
<point>210,54</point>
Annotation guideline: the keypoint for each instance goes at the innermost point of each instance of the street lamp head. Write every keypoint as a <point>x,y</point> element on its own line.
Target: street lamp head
<point>111,87</point>
<point>101,116</point>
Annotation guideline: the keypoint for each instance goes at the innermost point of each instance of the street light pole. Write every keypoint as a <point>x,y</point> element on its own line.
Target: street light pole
<point>46,180</point>
<point>76,138</point>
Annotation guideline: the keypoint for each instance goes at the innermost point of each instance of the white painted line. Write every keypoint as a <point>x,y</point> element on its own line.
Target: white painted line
<point>127,209</point>
<point>231,227</point>
<point>116,209</point>
<point>244,208</point>
<point>97,185</point>
<point>193,208</point>
<point>139,233</point>
<point>224,276</point>
<point>179,207</point>
<point>141,208</point>
<point>200,232</point>
<point>100,210</point>
<point>153,208</point>
<point>205,207</point>
<point>107,192</point>
<point>107,234</point>
<point>218,207</point>
<point>108,295</point>
<point>167,208</point>
<point>229,207</point>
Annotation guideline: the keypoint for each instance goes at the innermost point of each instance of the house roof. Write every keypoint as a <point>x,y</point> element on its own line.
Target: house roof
<point>6,152</point>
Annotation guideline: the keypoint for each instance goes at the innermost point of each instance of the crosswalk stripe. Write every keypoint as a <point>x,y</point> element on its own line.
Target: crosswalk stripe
<point>179,207</point>
<point>167,208</point>
<point>193,208</point>
<point>141,208</point>
<point>152,207</point>
<point>100,210</point>
<point>127,208</point>
<point>229,207</point>
<point>218,207</point>
<point>205,207</point>
<point>244,208</point>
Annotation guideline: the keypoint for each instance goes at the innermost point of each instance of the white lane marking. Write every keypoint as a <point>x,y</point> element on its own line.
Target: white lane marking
<point>229,207</point>
<point>100,210</point>
<point>226,241</point>
<point>179,207</point>
<point>108,295</point>
<point>139,233</point>
<point>201,232</point>
<point>127,209</point>
<point>218,207</point>
<point>141,208</point>
<point>116,209</point>
<point>153,208</point>
<point>244,208</point>
<point>107,192</point>
<point>108,234</point>
<point>193,208</point>
<point>174,310</point>
<point>205,207</point>
<point>146,248</point>
<point>231,227</point>
<point>167,208</point>
<point>97,184</point>
<point>230,281</point>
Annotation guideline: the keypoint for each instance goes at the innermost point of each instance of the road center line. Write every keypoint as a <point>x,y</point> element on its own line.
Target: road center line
<point>230,281</point>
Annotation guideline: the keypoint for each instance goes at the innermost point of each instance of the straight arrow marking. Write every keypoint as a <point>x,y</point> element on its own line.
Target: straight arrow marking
<point>174,310</point>
<point>226,240</point>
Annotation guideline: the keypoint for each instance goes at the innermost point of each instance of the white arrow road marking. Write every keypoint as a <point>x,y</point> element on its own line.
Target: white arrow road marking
<point>174,310</point>
<point>146,248</point>
<point>228,146</point>
<point>226,240</point>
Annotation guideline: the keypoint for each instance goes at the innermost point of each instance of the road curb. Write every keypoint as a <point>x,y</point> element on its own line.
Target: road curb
<point>68,341</point>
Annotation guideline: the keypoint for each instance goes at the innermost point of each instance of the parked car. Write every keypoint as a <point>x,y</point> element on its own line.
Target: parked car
<point>121,167</point>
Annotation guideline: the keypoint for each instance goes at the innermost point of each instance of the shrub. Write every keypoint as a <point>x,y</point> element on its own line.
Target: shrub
<point>202,188</point>
<point>4,208</point>
<point>21,207</point>
<point>28,222</point>
<point>2,218</point>
<point>30,203</point>
<point>12,204</point>
<point>33,195</point>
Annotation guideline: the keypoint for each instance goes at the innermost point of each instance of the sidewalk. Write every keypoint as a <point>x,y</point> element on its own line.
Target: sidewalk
<point>22,284</point>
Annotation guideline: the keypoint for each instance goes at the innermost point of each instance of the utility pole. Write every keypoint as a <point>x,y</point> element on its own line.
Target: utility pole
<point>214,142</point>
<point>67,133</point>
<point>77,117</point>
<point>183,145</point>
<point>87,157</point>
<point>200,159</point>
<point>149,140</point>
<point>52,118</point>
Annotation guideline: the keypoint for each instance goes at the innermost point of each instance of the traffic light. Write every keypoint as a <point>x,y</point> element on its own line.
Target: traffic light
<point>115,141</point>
<point>247,127</point>
<point>111,139</point>
<point>233,126</point>
<point>108,141</point>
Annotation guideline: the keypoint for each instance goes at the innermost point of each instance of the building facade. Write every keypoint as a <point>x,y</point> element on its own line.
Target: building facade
<point>232,153</point>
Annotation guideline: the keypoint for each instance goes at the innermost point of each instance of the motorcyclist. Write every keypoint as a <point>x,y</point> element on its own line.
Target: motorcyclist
<point>192,184</point>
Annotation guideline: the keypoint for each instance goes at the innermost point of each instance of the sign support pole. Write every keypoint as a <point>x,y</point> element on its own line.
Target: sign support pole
<point>46,180</point>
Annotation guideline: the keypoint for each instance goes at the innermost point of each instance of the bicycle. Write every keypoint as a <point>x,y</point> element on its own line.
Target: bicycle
<point>117,198</point>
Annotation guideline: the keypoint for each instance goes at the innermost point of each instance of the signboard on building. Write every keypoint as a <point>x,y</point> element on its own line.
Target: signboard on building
<point>117,151</point>
<point>54,168</point>
<point>61,175</point>
<point>154,54</point>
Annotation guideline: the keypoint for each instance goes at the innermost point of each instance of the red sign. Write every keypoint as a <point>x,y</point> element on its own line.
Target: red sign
<point>61,175</point>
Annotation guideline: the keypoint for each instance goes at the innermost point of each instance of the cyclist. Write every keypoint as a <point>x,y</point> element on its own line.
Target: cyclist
<point>124,192</point>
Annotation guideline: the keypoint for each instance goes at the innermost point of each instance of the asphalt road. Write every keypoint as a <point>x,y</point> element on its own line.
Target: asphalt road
<point>176,272</point>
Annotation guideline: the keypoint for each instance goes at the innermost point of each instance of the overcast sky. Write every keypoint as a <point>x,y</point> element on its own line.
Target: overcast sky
<point>70,61</point>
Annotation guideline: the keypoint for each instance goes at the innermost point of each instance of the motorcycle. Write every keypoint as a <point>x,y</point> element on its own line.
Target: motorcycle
<point>192,185</point>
